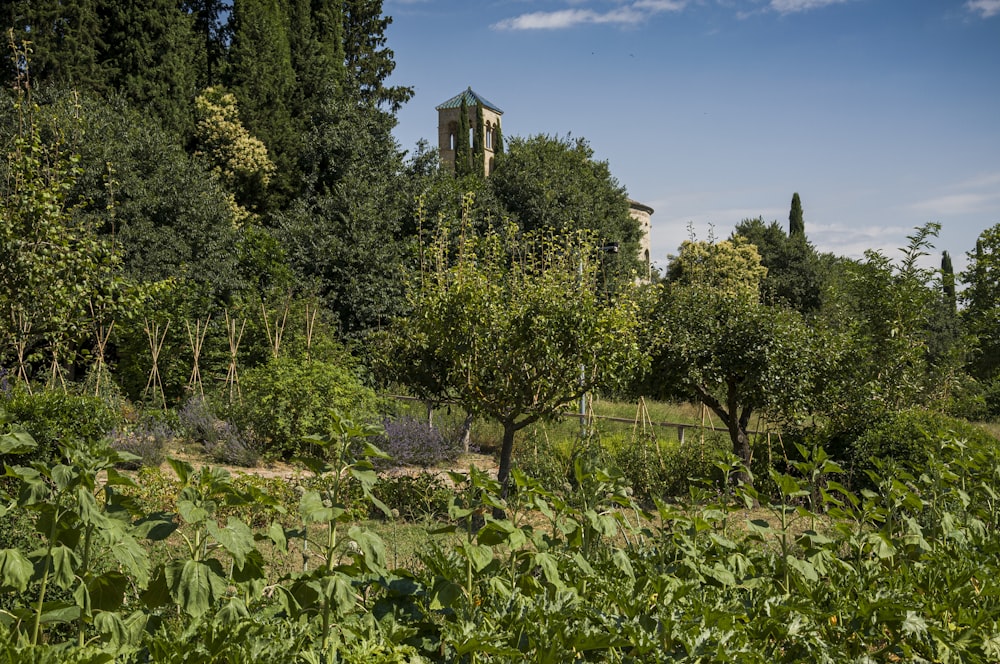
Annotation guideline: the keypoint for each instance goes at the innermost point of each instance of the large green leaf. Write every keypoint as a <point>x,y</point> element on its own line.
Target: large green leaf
<point>107,591</point>
<point>15,569</point>
<point>62,565</point>
<point>313,510</point>
<point>372,547</point>
<point>236,538</point>
<point>479,555</point>
<point>195,584</point>
<point>17,442</point>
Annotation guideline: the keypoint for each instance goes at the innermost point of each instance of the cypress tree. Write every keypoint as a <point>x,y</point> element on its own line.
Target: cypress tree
<point>478,151</point>
<point>463,165</point>
<point>315,38</point>
<point>498,145</point>
<point>796,225</point>
<point>261,75</point>
<point>153,57</point>
<point>213,35</point>
<point>66,42</point>
<point>948,282</point>
<point>369,63</point>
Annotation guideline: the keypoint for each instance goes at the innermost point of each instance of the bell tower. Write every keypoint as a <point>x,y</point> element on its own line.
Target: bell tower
<point>489,134</point>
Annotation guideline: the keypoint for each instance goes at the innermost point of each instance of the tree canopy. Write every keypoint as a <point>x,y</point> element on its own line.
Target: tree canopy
<point>513,328</point>
<point>555,185</point>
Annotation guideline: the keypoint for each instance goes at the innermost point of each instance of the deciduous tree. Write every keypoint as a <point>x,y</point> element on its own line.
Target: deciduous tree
<point>555,185</point>
<point>514,329</point>
<point>981,297</point>
<point>718,344</point>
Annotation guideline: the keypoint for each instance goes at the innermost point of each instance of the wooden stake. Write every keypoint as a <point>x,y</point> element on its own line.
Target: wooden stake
<point>156,339</point>
<point>310,326</point>
<point>23,327</point>
<point>279,328</point>
<point>197,341</point>
<point>57,372</point>
<point>232,375</point>
<point>101,336</point>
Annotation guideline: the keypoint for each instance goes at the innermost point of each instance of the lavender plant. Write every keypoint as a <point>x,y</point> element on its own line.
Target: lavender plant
<point>411,442</point>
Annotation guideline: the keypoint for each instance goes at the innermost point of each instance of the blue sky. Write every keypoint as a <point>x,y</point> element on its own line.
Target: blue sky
<point>882,114</point>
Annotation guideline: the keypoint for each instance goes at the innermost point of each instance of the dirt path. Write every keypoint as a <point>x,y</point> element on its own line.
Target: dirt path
<point>287,471</point>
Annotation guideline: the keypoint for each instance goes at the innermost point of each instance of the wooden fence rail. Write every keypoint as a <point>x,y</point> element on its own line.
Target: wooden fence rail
<point>679,426</point>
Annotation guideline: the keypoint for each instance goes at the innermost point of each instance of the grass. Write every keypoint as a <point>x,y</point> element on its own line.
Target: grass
<point>612,419</point>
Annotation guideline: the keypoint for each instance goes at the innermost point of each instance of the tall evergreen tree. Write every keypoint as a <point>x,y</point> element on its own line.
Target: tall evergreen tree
<point>948,281</point>
<point>478,151</point>
<point>463,163</point>
<point>796,225</point>
<point>213,32</point>
<point>65,41</point>
<point>315,37</point>
<point>154,57</point>
<point>261,75</point>
<point>369,62</point>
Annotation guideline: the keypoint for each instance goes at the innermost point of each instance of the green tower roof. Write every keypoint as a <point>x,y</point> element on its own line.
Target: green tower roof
<point>471,99</point>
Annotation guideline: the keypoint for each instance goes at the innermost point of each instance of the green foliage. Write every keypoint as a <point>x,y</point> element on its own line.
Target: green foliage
<point>420,497</point>
<point>796,225</point>
<point>45,248</point>
<point>368,61</point>
<point>55,418</point>
<point>65,39</point>
<point>735,355</point>
<point>554,185</point>
<point>912,437</point>
<point>239,160</point>
<point>151,55</point>
<point>732,267</point>
<point>514,330</point>
<point>888,345</point>
<point>658,471</point>
<point>795,274</point>
<point>982,311</point>
<point>287,399</point>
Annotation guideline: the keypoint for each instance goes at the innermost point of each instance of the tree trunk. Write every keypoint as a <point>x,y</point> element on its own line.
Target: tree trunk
<point>741,448</point>
<point>503,475</point>
<point>465,434</point>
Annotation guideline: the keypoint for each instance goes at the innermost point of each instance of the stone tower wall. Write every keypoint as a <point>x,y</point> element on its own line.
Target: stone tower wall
<point>448,122</point>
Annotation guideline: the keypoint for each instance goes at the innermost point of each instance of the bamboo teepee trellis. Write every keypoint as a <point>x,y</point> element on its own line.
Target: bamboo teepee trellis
<point>156,339</point>
<point>232,374</point>
<point>197,341</point>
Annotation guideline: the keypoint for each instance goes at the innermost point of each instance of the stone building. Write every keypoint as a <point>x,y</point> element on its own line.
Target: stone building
<point>642,213</point>
<point>449,122</point>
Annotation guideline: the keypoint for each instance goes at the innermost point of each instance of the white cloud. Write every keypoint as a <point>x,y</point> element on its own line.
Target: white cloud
<point>985,8</point>
<point>629,14</point>
<point>974,196</point>
<point>794,6</point>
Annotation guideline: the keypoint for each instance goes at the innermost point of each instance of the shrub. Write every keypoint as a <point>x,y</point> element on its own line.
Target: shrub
<point>146,439</point>
<point>669,471</point>
<point>287,399</point>
<point>411,442</point>
<point>54,416</point>
<point>910,437</point>
<point>220,439</point>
